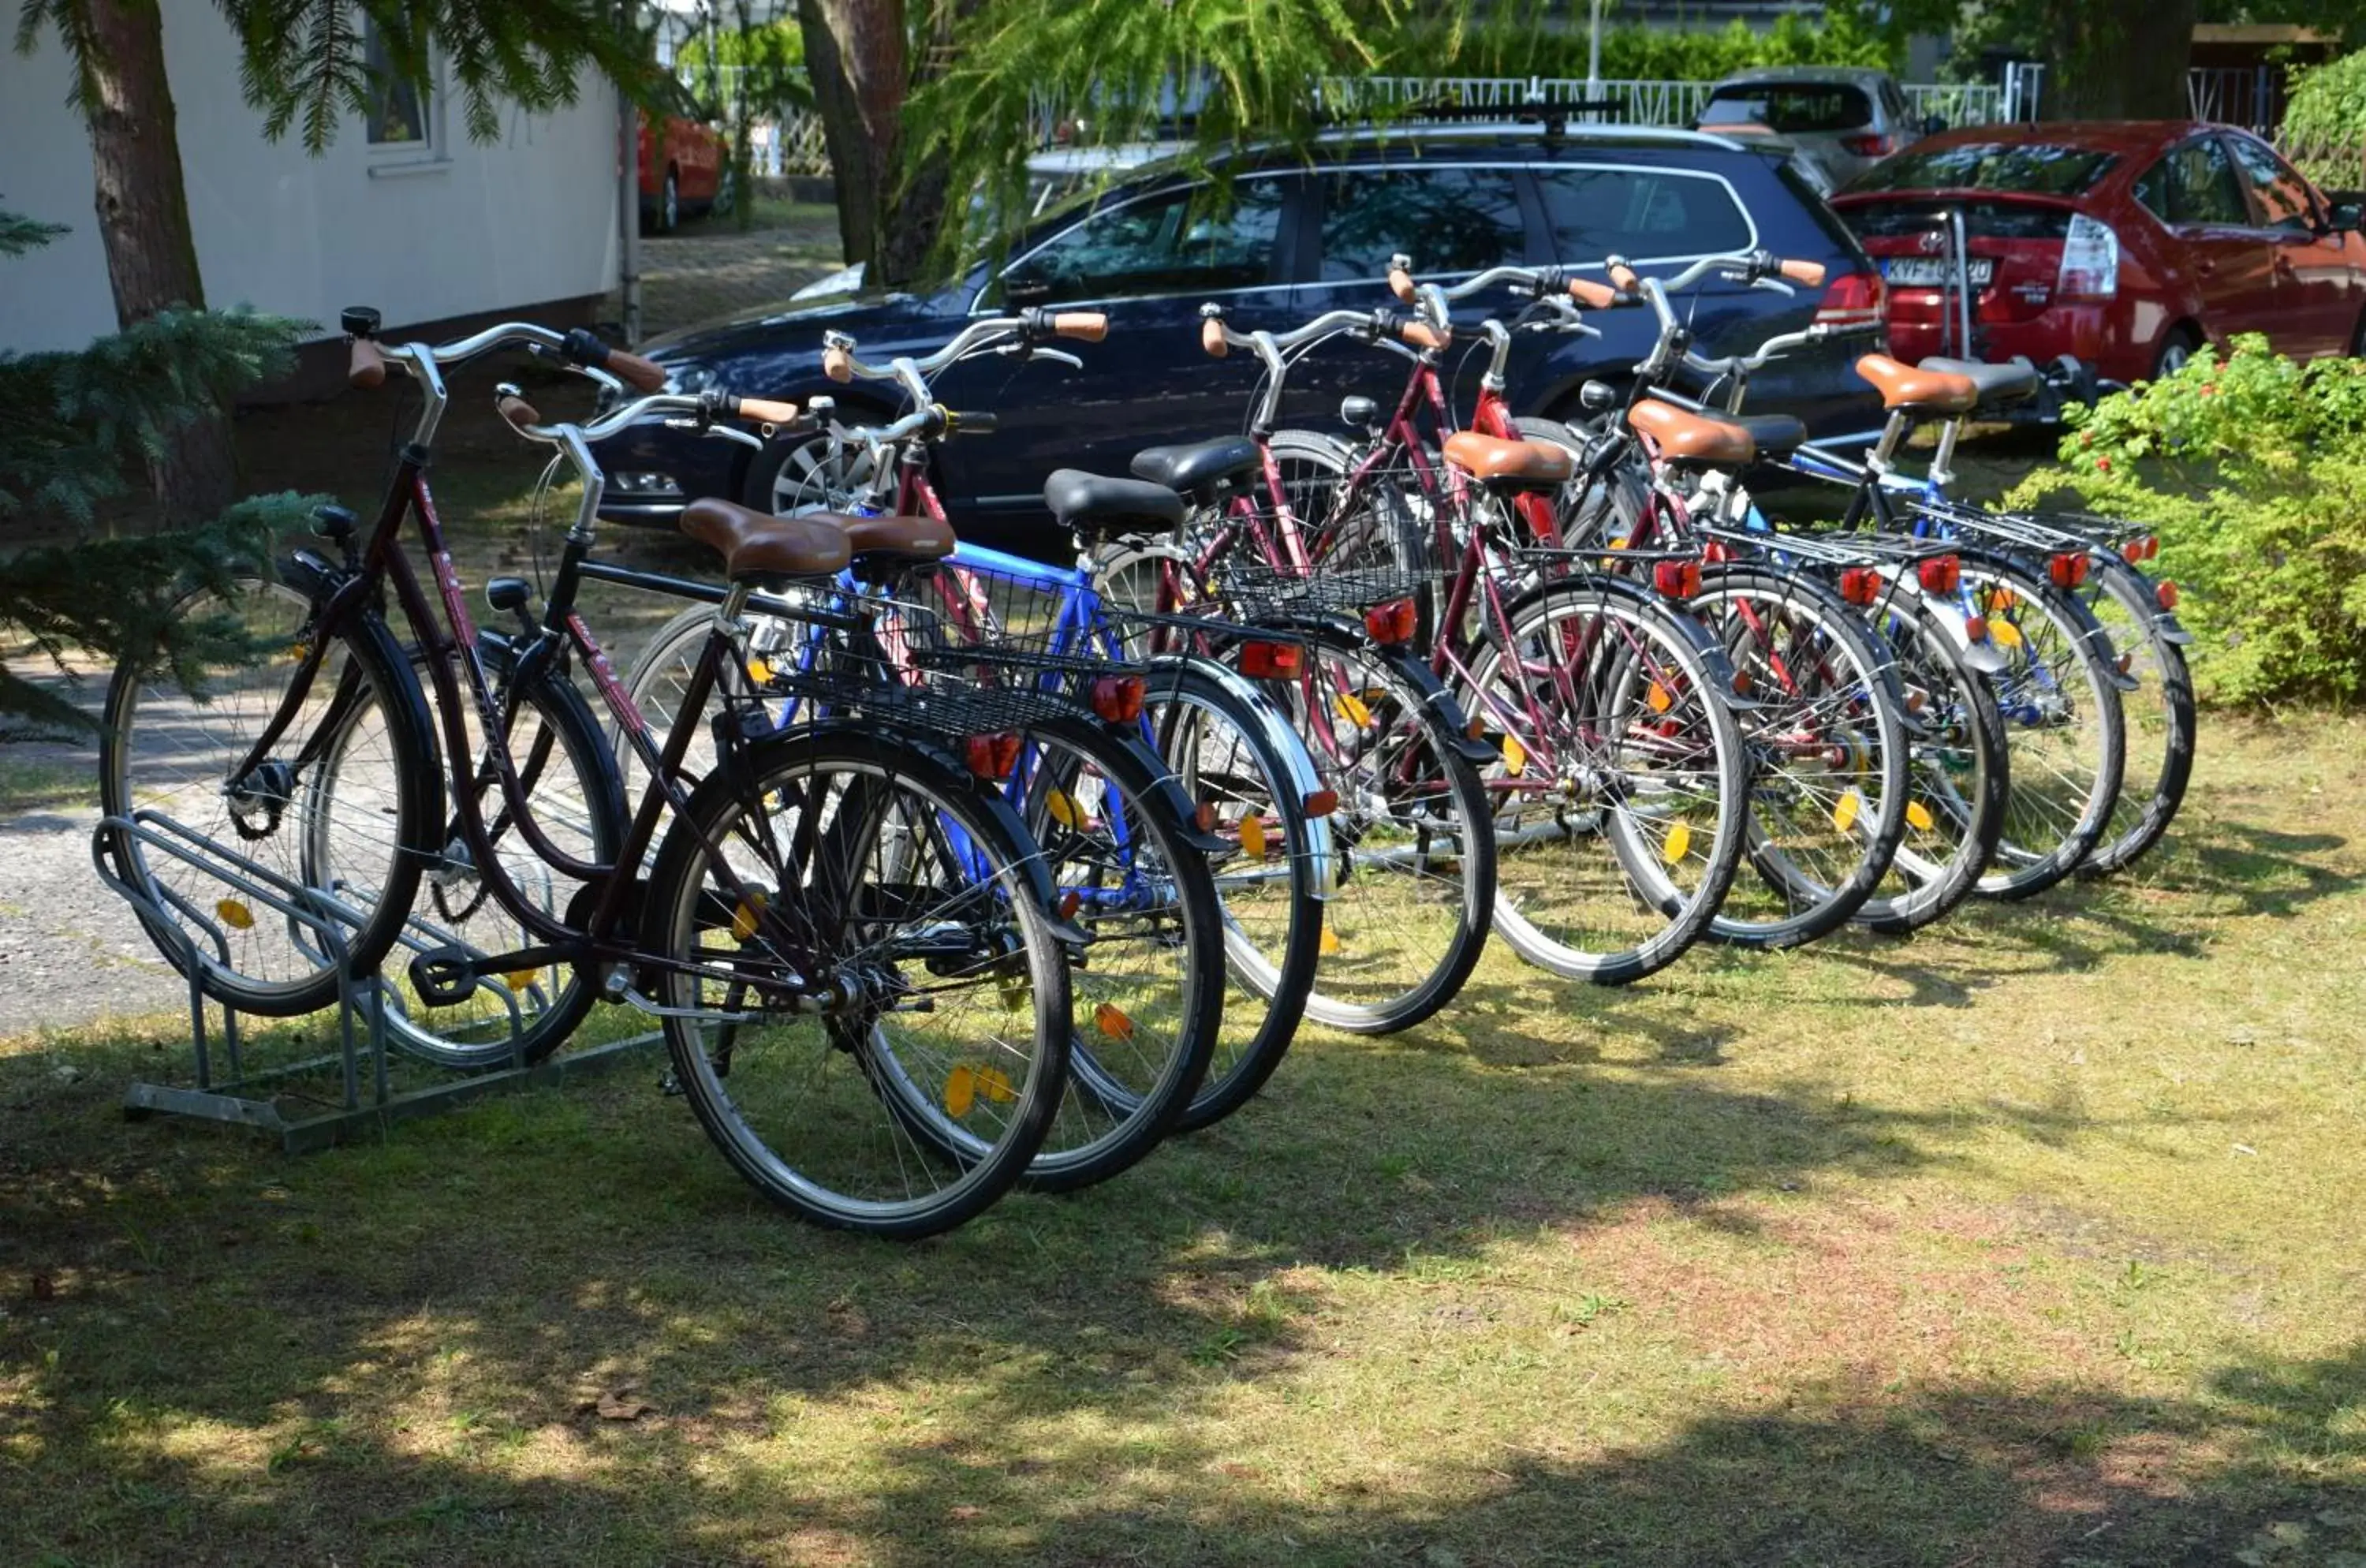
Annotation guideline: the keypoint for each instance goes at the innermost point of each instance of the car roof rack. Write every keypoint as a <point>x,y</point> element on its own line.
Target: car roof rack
<point>1554,116</point>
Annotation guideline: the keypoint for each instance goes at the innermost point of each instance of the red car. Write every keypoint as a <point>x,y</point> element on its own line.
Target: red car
<point>2126,243</point>
<point>685,167</point>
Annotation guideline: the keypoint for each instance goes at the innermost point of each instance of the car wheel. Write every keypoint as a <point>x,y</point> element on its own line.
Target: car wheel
<point>808,473</point>
<point>726,191</point>
<point>670,204</point>
<point>2180,345</point>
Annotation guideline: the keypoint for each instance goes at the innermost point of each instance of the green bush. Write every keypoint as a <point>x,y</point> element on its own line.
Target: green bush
<point>1510,43</point>
<point>2253,472</point>
<point>2324,128</point>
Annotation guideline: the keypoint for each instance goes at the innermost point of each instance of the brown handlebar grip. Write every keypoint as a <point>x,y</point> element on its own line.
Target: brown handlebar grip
<point>1085,326</point>
<point>1623,277</point>
<point>837,364</point>
<point>1593,296</point>
<point>765,411</point>
<point>1211,338</point>
<point>367,368</point>
<point>1806,274</point>
<point>518,411</point>
<point>644,374</point>
<point>1420,334</point>
<point>1400,284</point>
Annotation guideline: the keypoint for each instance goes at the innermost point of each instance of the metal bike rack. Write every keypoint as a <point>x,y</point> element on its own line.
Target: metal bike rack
<point>226,1091</point>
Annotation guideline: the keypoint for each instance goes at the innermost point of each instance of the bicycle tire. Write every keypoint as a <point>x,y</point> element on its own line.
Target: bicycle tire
<point>2161,723</point>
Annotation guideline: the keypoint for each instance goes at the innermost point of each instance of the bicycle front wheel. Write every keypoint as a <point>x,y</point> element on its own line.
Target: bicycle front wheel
<point>2158,714</point>
<point>856,867</point>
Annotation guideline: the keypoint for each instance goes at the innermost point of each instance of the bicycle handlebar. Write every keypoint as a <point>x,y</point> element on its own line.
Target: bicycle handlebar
<point>839,363</point>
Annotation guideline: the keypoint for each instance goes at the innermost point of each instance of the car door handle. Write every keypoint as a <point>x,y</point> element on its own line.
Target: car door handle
<point>2205,266</point>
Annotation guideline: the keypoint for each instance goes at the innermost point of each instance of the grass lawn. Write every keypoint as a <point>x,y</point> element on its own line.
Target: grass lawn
<point>2030,1241</point>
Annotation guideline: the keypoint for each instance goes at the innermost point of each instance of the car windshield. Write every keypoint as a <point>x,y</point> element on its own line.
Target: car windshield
<point>2046,168</point>
<point>1790,107</point>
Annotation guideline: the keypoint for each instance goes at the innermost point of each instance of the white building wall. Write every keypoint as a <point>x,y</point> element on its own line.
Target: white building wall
<point>465,229</point>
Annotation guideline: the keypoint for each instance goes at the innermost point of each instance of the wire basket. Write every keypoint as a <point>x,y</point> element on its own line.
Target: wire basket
<point>1255,591</point>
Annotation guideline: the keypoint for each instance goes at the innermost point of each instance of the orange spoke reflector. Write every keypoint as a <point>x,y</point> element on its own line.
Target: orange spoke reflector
<point>1351,708</point>
<point>1253,835</point>
<point>744,919</point>
<point>759,669</point>
<point>1679,839</point>
<point>1329,945</point>
<point>1111,1021</point>
<point>518,980</point>
<point>2004,634</point>
<point>1516,756</point>
<point>961,1092</point>
<point>2001,600</point>
<point>1918,817</point>
<point>235,915</point>
<point>298,652</point>
<point>1845,808</point>
<point>1658,698</point>
<point>994,1086</point>
<point>1062,809</point>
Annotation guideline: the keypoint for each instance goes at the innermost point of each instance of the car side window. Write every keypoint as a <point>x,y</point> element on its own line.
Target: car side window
<point>2281,196</point>
<point>1642,214</point>
<point>2196,183</point>
<point>1180,241</point>
<point>1445,220</point>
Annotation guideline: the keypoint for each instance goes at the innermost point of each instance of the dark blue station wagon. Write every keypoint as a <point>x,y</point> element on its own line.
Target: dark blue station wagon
<point>1298,237</point>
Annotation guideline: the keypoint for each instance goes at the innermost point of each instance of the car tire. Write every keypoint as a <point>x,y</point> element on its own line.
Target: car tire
<point>670,204</point>
<point>789,475</point>
<point>726,192</point>
<point>2181,343</point>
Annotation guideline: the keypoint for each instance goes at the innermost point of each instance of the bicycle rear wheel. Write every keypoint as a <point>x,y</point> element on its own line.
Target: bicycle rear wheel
<point>2159,715</point>
<point>914,1101</point>
<point>167,754</point>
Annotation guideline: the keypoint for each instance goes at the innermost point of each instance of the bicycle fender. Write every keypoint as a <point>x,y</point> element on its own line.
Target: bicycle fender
<point>1285,739</point>
<point>1146,776</point>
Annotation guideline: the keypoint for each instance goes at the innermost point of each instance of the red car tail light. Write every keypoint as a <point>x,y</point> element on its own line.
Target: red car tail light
<point>1940,574</point>
<point>2091,260</point>
<point>1677,579</point>
<point>2067,569</point>
<point>1868,146</point>
<point>1272,660</point>
<point>1392,622</point>
<point>1854,300</point>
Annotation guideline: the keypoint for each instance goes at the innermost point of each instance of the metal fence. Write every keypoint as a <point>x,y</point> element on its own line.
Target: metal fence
<point>1637,101</point>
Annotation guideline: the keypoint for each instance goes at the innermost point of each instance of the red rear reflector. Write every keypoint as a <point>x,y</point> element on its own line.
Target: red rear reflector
<point>1940,574</point>
<point>2067,569</point>
<point>1204,816</point>
<point>1860,585</point>
<point>990,756</point>
<point>1717,552</point>
<point>2165,593</point>
<point>2142,550</point>
<point>1070,902</point>
<point>1676,579</point>
<point>1393,622</point>
<point>1855,300</point>
<point>1272,660</point>
<point>1118,698</point>
<point>1322,803</point>
<point>1976,629</point>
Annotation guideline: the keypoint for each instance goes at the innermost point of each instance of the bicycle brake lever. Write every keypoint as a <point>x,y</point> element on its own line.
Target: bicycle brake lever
<point>1062,355</point>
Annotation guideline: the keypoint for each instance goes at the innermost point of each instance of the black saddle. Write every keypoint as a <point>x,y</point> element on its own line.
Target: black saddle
<point>1197,467</point>
<point>1093,503</point>
<point>1775,435</point>
<point>1999,385</point>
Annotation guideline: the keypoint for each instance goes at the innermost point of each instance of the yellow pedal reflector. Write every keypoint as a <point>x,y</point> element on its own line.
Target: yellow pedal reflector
<point>518,980</point>
<point>1253,835</point>
<point>1351,708</point>
<point>1110,1020</point>
<point>995,1087</point>
<point>298,652</point>
<point>1063,809</point>
<point>1918,817</point>
<point>1619,542</point>
<point>759,669</point>
<point>1679,839</point>
<point>2004,634</point>
<point>1658,698</point>
<point>1845,808</point>
<point>1329,945</point>
<point>235,915</point>
<point>1516,756</point>
<point>744,919</point>
<point>961,1090</point>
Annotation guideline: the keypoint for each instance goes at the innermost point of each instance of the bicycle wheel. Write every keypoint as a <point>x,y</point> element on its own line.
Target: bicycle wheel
<point>1242,788</point>
<point>1622,787</point>
<point>1413,843</point>
<point>570,784</point>
<point>918,1097</point>
<point>1955,805</point>
<point>168,753</point>
<point>2158,712</point>
<point>2062,724</point>
<point>1827,791</point>
<point>1149,981</point>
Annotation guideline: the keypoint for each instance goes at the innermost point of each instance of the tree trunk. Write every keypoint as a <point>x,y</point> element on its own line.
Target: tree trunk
<point>855,52</point>
<point>2119,58</point>
<point>916,215</point>
<point>143,220</point>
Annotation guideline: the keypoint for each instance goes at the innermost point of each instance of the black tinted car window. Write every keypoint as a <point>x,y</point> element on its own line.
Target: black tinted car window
<point>2280,195</point>
<point>1179,242</point>
<point>1445,220</point>
<point>2047,168</point>
<point>1790,107</point>
<point>1641,214</point>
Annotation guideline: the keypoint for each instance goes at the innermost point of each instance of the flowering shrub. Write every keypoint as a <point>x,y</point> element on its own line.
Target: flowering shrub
<point>2253,472</point>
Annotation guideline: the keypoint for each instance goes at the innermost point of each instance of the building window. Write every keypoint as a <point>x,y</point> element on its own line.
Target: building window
<point>399,110</point>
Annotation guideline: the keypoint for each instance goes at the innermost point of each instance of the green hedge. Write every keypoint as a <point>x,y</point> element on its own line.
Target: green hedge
<point>2253,471</point>
<point>1513,43</point>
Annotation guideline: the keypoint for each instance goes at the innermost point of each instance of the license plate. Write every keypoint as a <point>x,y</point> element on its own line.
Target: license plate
<point>1934,272</point>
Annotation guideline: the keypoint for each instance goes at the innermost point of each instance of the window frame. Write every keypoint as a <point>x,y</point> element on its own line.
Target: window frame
<point>1278,269</point>
<point>427,151</point>
<point>1551,241</point>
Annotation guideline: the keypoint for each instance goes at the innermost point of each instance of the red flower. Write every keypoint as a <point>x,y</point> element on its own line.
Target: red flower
<point>2104,464</point>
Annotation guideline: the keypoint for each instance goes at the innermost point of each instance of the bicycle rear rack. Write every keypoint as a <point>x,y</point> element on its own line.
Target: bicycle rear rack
<point>369,1102</point>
